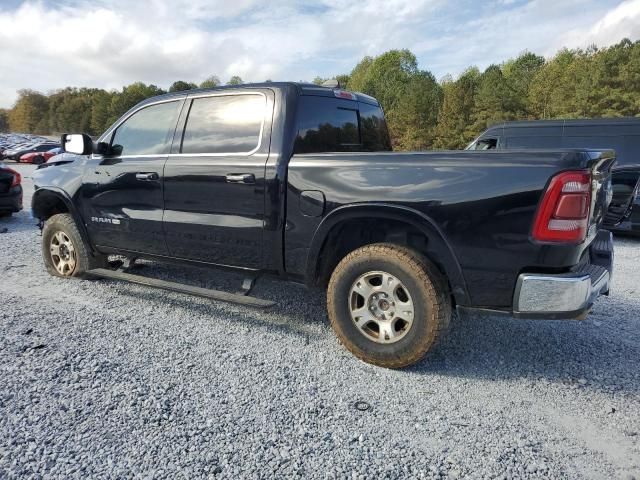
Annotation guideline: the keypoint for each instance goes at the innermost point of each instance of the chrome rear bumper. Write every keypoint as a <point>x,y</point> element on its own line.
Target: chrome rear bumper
<point>566,295</point>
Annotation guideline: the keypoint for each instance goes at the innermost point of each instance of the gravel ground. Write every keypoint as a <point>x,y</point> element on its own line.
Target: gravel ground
<point>102,379</point>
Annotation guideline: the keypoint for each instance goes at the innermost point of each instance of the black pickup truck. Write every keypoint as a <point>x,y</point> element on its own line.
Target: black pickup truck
<point>300,181</point>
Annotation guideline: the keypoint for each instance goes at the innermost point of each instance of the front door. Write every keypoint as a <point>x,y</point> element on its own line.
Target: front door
<point>121,195</point>
<point>214,178</point>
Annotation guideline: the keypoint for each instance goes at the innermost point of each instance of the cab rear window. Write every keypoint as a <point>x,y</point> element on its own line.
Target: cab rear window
<point>335,125</point>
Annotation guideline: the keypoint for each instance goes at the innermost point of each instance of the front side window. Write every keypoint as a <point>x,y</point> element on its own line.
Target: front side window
<point>485,144</point>
<point>224,124</point>
<point>148,131</point>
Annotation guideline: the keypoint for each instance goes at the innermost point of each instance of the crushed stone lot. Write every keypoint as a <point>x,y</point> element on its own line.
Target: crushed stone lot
<point>100,379</point>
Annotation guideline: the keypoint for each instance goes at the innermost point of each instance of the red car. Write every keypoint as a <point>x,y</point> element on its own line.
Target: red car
<point>39,157</point>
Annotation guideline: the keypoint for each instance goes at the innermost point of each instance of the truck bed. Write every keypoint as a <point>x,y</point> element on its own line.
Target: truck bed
<point>490,197</point>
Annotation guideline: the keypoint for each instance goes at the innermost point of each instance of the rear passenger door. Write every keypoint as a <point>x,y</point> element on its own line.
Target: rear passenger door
<point>214,179</point>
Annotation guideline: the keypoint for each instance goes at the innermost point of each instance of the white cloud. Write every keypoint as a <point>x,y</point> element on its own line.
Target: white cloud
<point>46,45</point>
<point>620,22</point>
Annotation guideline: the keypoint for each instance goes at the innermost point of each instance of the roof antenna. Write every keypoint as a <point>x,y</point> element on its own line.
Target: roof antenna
<point>331,83</point>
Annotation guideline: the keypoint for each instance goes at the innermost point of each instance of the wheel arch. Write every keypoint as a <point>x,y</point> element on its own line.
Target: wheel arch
<point>437,249</point>
<point>50,201</point>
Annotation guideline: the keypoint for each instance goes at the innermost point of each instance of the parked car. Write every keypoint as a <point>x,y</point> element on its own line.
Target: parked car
<point>620,134</point>
<point>40,157</point>
<point>10,191</point>
<point>12,148</point>
<point>17,152</point>
<point>300,181</point>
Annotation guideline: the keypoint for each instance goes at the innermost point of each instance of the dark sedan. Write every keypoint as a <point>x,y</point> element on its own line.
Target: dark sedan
<point>10,191</point>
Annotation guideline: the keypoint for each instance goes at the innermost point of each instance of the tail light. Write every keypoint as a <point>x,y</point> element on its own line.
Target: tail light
<point>563,215</point>
<point>17,178</point>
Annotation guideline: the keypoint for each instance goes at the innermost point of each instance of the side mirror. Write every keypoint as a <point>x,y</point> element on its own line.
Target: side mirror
<point>77,143</point>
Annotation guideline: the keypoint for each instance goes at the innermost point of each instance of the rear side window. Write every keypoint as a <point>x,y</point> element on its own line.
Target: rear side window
<point>334,125</point>
<point>373,129</point>
<point>148,131</point>
<point>224,124</point>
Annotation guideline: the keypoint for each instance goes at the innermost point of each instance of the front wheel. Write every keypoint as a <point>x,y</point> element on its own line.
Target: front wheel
<point>388,304</point>
<point>64,252</point>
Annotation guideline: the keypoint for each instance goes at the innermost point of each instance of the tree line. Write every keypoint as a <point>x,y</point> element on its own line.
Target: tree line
<point>422,113</point>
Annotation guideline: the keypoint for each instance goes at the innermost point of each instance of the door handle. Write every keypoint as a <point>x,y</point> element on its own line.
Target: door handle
<point>241,178</point>
<point>147,176</point>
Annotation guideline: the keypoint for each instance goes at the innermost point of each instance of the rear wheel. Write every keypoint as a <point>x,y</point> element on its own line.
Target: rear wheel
<point>38,160</point>
<point>64,252</point>
<point>388,304</point>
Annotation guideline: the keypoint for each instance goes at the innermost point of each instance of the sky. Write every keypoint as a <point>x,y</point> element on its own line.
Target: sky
<point>47,44</point>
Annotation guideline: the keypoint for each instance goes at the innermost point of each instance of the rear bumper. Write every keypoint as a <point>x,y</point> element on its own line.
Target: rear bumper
<point>566,295</point>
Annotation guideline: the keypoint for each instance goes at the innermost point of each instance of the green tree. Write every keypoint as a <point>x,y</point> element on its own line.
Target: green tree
<point>4,120</point>
<point>493,101</point>
<point>421,113</point>
<point>100,104</point>
<point>130,96</point>
<point>180,86</point>
<point>519,74</point>
<point>410,96</point>
<point>453,130</point>
<point>343,79</point>
<point>629,78</point>
<point>358,74</point>
<point>70,110</point>
<point>615,81</point>
<point>210,82</point>
<point>30,113</point>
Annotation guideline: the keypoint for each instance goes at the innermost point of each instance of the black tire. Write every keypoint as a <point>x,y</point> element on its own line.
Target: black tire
<point>427,291</point>
<point>5,213</point>
<point>83,259</point>
<point>38,160</point>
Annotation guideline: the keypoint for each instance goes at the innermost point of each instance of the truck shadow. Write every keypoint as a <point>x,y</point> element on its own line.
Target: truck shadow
<point>603,350</point>
<point>301,314</point>
<point>601,353</point>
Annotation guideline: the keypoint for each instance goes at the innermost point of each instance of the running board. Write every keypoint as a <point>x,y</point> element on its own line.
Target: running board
<point>181,288</point>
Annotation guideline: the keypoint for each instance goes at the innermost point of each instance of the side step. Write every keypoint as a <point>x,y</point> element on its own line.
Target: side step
<point>181,288</point>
